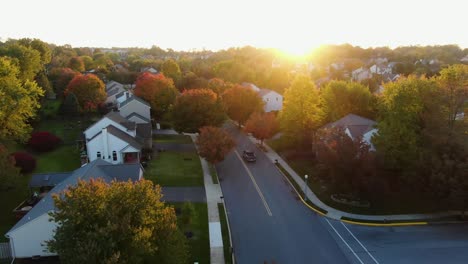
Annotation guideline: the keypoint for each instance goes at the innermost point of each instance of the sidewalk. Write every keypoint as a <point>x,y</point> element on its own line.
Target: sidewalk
<point>337,214</point>
<point>213,197</point>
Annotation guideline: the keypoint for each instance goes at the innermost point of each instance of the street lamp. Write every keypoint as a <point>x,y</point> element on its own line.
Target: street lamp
<point>305,187</point>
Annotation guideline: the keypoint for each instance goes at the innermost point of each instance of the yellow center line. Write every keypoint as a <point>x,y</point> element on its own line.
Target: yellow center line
<point>255,184</point>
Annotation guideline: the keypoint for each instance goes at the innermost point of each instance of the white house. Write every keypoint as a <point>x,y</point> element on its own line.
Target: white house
<point>273,100</point>
<point>28,236</point>
<point>361,74</point>
<point>135,109</point>
<point>356,127</point>
<point>380,69</point>
<point>149,69</point>
<point>114,119</point>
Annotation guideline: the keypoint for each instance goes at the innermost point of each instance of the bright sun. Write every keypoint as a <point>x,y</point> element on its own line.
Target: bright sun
<point>297,50</point>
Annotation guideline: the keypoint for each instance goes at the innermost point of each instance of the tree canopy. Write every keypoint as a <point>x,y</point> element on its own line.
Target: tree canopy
<point>89,90</point>
<point>262,125</point>
<point>157,90</point>
<point>197,108</point>
<point>120,222</point>
<point>171,69</point>
<point>214,144</point>
<point>240,102</point>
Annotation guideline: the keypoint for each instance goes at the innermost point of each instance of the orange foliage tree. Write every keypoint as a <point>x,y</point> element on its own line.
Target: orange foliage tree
<point>158,90</point>
<point>89,91</point>
<point>214,144</point>
<point>262,125</point>
<point>195,109</point>
<point>240,102</point>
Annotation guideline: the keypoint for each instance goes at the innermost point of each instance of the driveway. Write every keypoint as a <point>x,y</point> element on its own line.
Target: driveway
<point>184,194</point>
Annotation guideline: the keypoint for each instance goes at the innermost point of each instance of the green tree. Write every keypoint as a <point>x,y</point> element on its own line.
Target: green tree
<point>240,102</point>
<point>454,84</point>
<point>171,69</point>
<point>120,222</point>
<point>76,64</point>
<point>60,78</point>
<point>301,115</point>
<point>40,46</point>
<point>197,108</point>
<point>43,82</point>
<point>19,103</point>
<point>89,90</point>
<point>157,90</point>
<point>8,172</point>
<point>214,144</point>
<point>28,60</point>
<point>405,105</point>
<point>88,62</point>
<point>341,98</point>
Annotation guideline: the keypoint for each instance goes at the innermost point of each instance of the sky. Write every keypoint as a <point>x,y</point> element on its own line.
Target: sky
<point>294,26</point>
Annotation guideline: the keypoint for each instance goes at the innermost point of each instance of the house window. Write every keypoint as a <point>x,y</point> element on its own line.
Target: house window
<point>114,155</point>
<point>98,155</point>
<point>277,99</point>
<point>268,99</point>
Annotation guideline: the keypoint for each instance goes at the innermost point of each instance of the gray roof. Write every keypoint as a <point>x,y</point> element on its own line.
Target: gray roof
<point>263,92</point>
<point>48,179</point>
<point>112,84</point>
<point>357,125</point>
<point>112,91</point>
<point>134,98</point>
<point>116,117</point>
<point>139,116</point>
<point>96,169</point>
<point>123,136</point>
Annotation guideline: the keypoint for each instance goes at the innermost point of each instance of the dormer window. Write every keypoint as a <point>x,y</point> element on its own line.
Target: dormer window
<point>98,154</point>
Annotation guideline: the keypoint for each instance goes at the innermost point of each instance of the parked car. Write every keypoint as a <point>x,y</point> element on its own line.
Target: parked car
<point>249,156</point>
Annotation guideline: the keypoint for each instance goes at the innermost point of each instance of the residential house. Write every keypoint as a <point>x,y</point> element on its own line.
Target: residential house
<point>28,236</point>
<point>361,74</point>
<point>113,89</point>
<point>380,69</point>
<point>135,109</point>
<point>273,100</point>
<point>356,127</point>
<point>117,140</point>
<point>464,59</point>
<point>149,69</point>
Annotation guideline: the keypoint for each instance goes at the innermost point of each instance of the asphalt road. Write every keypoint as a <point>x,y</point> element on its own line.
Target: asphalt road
<point>270,225</point>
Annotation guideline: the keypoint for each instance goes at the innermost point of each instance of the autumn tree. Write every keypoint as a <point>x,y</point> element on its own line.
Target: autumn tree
<point>60,78</point>
<point>301,115</point>
<point>341,98</point>
<point>171,69</point>
<point>19,103</point>
<point>240,102</point>
<point>454,84</point>
<point>88,62</point>
<point>76,64</point>
<point>218,86</point>
<point>197,108</point>
<point>8,172</point>
<point>158,91</point>
<point>118,222</point>
<point>89,90</point>
<point>262,126</point>
<point>214,144</point>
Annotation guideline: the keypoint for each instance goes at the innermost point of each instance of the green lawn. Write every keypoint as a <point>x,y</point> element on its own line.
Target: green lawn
<point>172,168</point>
<point>64,158</point>
<point>50,108</point>
<point>225,233</point>
<point>183,139</point>
<point>199,244</point>
<point>214,173</point>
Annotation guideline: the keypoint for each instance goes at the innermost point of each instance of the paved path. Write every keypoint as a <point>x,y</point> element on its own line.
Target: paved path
<point>165,132</point>
<point>337,214</point>
<point>213,197</point>
<point>184,194</point>
<point>174,146</point>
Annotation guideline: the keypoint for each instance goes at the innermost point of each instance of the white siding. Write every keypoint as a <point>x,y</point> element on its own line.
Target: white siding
<point>104,122</point>
<point>29,240</point>
<point>135,107</point>
<point>273,101</point>
<point>98,145</point>
<point>367,137</point>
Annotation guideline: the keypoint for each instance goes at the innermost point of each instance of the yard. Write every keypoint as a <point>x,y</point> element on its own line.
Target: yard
<point>392,203</point>
<point>175,168</point>
<point>199,244</point>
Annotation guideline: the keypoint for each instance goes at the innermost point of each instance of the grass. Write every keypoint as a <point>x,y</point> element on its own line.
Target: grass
<point>199,244</point>
<point>182,139</point>
<point>225,234</point>
<point>172,168</point>
<point>213,173</point>
<point>64,158</point>
<point>50,108</point>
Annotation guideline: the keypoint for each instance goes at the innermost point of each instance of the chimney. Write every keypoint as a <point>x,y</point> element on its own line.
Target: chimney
<point>105,144</point>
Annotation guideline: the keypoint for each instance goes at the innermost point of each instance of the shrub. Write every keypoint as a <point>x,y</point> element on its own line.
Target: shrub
<point>44,141</point>
<point>25,161</point>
